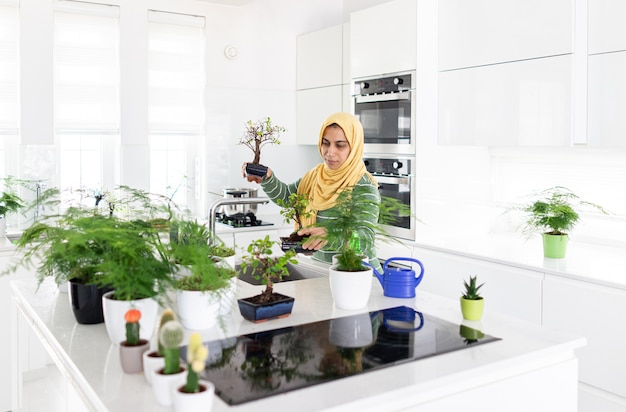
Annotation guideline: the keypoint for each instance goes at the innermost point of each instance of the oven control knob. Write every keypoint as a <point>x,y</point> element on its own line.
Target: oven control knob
<point>397,165</point>
<point>364,85</point>
<point>397,81</point>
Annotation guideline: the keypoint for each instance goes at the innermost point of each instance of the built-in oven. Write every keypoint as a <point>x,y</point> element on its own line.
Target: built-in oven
<point>395,180</point>
<point>385,106</point>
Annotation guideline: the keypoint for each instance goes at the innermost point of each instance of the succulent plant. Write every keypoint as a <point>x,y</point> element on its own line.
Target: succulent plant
<point>197,354</point>
<point>471,290</point>
<point>132,317</point>
<point>171,336</point>
<point>166,316</point>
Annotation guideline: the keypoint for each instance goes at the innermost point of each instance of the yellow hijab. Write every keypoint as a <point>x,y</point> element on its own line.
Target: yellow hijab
<point>321,183</point>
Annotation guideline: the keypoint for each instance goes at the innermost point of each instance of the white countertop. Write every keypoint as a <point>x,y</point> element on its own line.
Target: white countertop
<point>600,264</point>
<point>88,359</point>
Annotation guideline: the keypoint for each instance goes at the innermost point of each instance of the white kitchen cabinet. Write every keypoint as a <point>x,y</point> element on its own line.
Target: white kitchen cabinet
<point>596,312</point>
<point>319,59</point>
<point>508,290</point>
<point>383,39</point>
<point>606,28</point>
<point>481,32</point>
<point>313,106</point>
<point>520,103</point>
<point>320,81</point>
<point>606,124</point>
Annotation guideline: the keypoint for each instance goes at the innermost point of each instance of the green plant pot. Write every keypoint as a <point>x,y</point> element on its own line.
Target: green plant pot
<point>472,309</point>
<point>555,246</point>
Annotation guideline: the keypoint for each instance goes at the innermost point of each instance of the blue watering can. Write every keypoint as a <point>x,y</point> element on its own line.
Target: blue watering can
<point>399,282</point>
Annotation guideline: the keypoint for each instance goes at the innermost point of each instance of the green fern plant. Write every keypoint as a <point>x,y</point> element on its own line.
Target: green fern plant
<point>555,211</point>
<point>355,223</point>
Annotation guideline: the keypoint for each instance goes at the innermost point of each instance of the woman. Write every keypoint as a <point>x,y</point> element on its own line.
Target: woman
<point>341,147</point>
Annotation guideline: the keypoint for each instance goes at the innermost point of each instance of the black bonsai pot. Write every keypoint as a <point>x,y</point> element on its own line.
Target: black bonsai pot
<point>256,169</point>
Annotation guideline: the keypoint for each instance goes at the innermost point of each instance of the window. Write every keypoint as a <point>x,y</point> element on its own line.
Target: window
<point>9,83</point>
<point>86,93</point>
<point>176,82</point>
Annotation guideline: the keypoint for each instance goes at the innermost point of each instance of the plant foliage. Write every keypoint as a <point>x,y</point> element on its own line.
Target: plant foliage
<point>555,211</point>
<point>265,266</point>
<point>259,134</point>
<point>295,209</point>
<point>355,222</point>
<point>471,289</point>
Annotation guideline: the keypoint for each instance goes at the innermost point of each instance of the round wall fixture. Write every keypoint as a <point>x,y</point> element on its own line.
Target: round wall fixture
<point>231,52</point>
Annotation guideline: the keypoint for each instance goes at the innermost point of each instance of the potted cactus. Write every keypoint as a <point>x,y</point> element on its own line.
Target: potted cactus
<point>153,360</point>
<point>133,348</point>
<point>164,379</point>
<point>472,303</point>
<point>262,264</point>
<point>195,394</point>
<point>258,134</point>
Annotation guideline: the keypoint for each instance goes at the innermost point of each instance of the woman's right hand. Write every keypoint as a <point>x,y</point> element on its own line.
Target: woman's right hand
<point>252,178</point>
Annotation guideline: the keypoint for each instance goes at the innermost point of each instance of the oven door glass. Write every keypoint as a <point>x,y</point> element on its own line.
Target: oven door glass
<point>386,118</point>
<point>397,188</point>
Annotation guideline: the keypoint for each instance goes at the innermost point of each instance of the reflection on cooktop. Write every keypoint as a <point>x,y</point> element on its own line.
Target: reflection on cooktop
<point>258,365</point>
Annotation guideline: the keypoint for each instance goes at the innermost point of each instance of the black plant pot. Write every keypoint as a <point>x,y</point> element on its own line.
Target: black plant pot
<point>287,244</point>
<point>259,312</point>
<point>86,302</point>
<point>256,170</point>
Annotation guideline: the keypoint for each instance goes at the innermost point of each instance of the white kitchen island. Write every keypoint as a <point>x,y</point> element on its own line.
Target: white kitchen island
<point>531,368</point>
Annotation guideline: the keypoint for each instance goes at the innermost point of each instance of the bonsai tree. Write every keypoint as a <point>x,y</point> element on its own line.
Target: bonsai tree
<point>265,266</point>
<point>472,303</point>
<point>355,223</point>
<point>256,136</point>
<point>294,210</point>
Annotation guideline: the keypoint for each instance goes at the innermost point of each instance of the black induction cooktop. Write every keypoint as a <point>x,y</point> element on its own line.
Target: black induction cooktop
<point>255,366</point>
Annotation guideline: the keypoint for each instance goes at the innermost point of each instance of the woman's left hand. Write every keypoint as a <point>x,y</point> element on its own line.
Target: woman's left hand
<point>316,237</point>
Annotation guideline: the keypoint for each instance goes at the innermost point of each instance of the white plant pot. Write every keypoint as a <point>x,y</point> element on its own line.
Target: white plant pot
<point>351,331</point>
<point>350,290</point>
<point>114,311</point>
<point>163,386</point>
<point>198,310</point>
<point>194,402</point>
<point>151,362</point>
<point>3,227</point>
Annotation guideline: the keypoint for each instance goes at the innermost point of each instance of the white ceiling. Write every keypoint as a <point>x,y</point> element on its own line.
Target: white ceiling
<point>229,2</point>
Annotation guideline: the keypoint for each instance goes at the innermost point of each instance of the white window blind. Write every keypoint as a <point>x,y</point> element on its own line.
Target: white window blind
<point>9,80</point>
<point>176,77</point>
<point>9,70</point>
<point>86,68</point>
<point>176,87</point>
<point>86,92</point>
